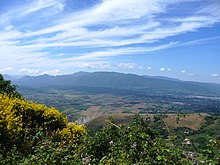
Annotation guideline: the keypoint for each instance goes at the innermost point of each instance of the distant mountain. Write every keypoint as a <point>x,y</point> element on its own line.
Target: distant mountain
<point>113,81</point>
<point>7,77</point>
<point>166,78</point>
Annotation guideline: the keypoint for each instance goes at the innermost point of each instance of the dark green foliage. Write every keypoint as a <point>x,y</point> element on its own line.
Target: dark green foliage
<point>46,151</point>
<point>115,144</point>
<point>7,87</point>
<point>128,144</point>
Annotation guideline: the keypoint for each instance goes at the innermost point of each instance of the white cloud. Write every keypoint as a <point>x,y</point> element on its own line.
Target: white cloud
<point>140,67</point>
<point>100,55</point>
<point>193,19</point>
<point>95,66</point>
<point>162,69</point>
<point>108,11</point>
<point>10,27</point>
<point>52,72</point>
<point>127,65</point>
<point>149,68</point>
<point>29,71</point>
<point>43,4</point>
<point>61,54</point>
<point>214,75</point>
<point>34,72</point>
<point>213,9</point>
<point>18,57</point>
<point>183,71</point>
<point>73,29</point>
<point>199,41</point>
<point>6,70</point>
<point>10,35</point>
<point>27,44</point>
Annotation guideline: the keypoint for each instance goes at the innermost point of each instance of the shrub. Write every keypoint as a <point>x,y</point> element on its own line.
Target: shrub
<point>21,121</point>
<point>127,144</point>
<point>72,133</point>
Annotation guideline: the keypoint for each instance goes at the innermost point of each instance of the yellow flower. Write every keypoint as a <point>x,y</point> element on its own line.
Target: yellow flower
<point>17,114</point>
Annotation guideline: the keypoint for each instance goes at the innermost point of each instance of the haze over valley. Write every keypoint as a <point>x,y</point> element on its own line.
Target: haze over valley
<point>89,95</point>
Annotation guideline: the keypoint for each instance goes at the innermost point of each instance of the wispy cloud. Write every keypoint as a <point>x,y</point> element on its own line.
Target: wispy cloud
<point>52,5</point>
<point>49,33</point>
<point>191,74</point>
<point>199,41</point>
<point>108,53</point>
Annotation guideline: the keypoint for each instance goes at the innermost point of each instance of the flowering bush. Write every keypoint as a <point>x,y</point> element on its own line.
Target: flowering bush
<point>21,121</point>
<point>71,133</point>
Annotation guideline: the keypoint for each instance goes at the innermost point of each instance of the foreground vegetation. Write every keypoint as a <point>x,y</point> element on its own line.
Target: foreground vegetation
<point>32,133</point>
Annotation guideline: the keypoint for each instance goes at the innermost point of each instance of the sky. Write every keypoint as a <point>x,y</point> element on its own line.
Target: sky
<point>173,38</point>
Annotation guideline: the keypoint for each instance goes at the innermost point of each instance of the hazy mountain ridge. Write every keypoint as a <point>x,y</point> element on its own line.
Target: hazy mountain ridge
<point>113,80</point>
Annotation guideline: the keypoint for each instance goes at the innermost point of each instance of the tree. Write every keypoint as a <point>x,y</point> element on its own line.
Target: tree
<point>7,87</point>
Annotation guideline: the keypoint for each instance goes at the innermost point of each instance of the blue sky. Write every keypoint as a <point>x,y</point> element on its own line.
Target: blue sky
<point>174,38</point>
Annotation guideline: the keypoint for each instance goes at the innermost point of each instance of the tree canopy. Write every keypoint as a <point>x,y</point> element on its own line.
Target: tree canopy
<point>7,87</point>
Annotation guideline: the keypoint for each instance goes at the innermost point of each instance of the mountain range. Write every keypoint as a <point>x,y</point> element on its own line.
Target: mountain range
<point>116,82</point>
